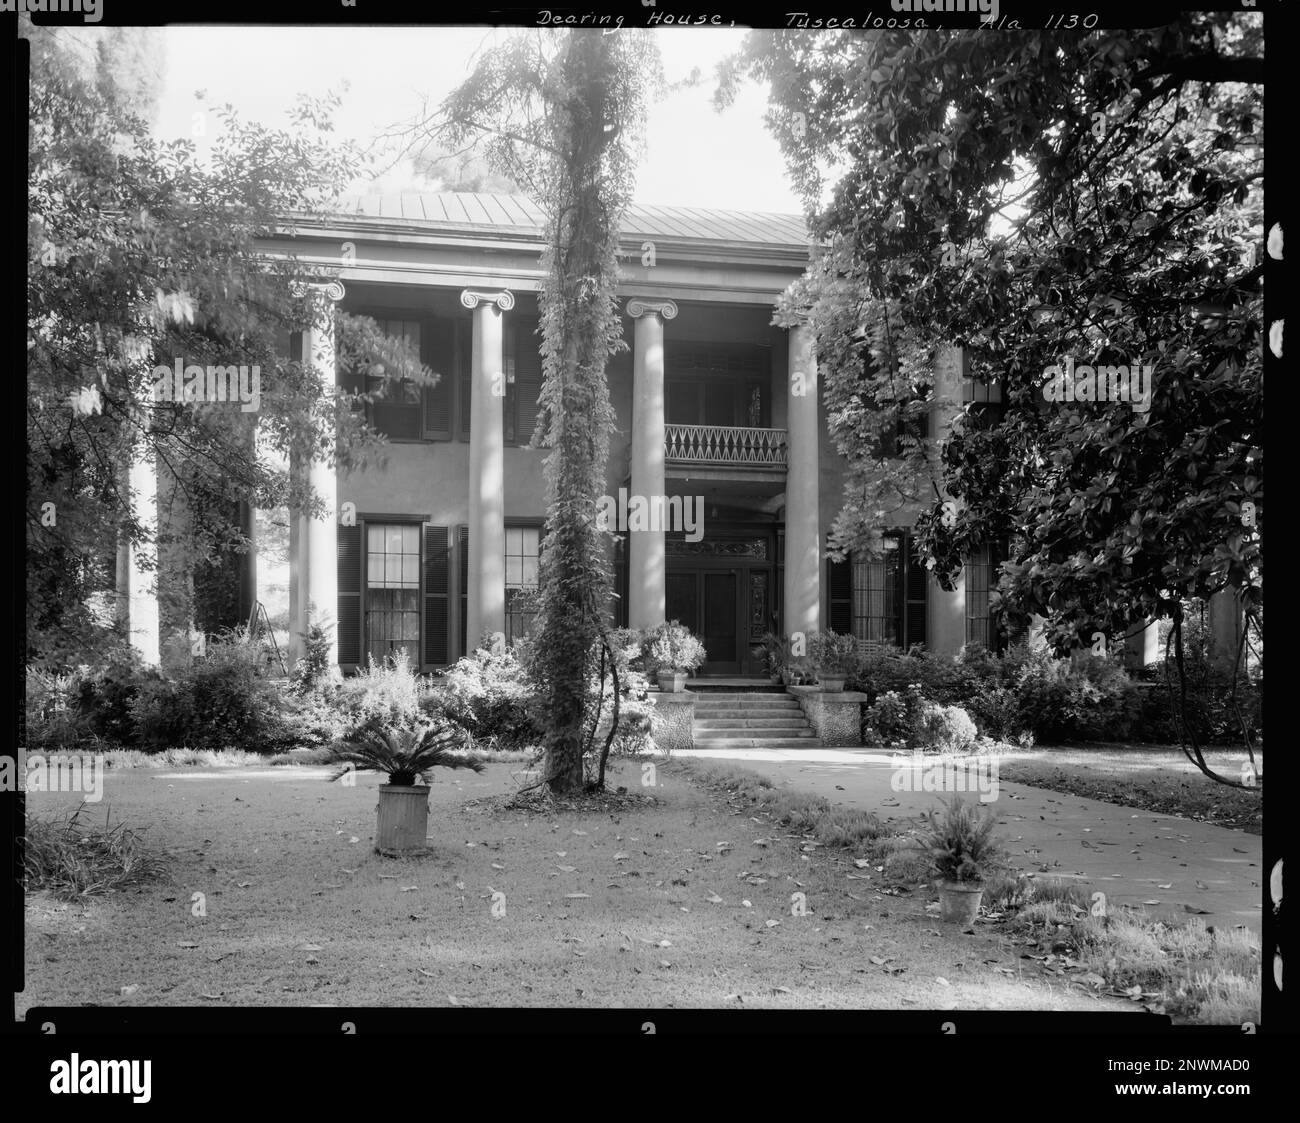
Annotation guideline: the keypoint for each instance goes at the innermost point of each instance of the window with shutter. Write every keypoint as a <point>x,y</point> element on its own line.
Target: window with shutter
<point>464,360</point>
<point>462,554</point>
<point>349,597</point>
<point>528,378</point>
<point>437,592</point>
<point>839,587</point>
<point>439,355</point>
<point>915,595</point>
<point>397,406</point>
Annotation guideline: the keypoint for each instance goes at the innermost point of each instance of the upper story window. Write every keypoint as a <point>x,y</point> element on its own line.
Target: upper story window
<point>396,410</point>
<point>718,384</point>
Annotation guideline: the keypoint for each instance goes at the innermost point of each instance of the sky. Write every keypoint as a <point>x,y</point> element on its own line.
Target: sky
<point>695,156</point>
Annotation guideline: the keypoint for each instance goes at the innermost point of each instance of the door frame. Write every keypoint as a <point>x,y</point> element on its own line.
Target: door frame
<point>742,567</point>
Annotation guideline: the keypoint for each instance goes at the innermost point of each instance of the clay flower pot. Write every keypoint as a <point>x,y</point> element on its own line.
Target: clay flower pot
<point>959,902</point>
<point>403,819</point>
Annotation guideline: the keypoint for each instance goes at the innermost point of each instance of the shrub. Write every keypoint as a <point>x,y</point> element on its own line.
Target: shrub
<point>389,693</point>
<point>948,729</point>
<point>104,697</point>
<point>1057,700</point>
<point>314,670</point>
<point>832,655</point>
<point>69,858</point>
<point>888,719</point>
<point>52,717</point>
<point>670,646</point>
<point>221,700</point>
<point>489,695</point>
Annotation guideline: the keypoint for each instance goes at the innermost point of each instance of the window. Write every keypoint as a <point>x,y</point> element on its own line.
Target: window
<point>979,581</point>
<point>889,595</point>
<point>523,548</point>
<point>396,409</point>
<point>521,363</point>
<point>392,590</point>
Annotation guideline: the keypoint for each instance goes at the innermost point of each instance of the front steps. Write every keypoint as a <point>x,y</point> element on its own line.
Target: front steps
<point>754,719</point>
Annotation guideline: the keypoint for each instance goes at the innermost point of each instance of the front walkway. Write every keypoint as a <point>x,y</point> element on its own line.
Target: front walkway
<point>1135,857</point>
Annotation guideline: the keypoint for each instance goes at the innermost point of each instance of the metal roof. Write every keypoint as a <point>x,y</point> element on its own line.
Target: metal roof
<point>461,210</point>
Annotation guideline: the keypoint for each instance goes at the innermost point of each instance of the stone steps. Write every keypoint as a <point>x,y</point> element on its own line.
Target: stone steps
<point>767,718</point>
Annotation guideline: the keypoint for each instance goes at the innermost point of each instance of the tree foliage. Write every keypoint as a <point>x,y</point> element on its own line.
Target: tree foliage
<point>1033,197</point>
<point>141,254</point>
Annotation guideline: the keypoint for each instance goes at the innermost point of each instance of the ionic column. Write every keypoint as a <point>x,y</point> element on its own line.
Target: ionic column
<point>1227,622</point>
<point>486,607</point>
<point>316,589</point>
<point>1142,644</point>
<point>803,556</point>
<point>946,615</point>
<point>137,585</point>
<point>646,602</point>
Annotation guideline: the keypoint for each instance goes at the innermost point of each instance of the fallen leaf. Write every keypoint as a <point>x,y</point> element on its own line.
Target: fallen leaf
<point>575,896</point>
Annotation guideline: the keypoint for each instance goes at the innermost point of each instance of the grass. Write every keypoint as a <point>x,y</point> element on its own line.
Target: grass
<point>67,857</point>
<point>1154,778</point>
<point>674,895</point>
<point>242,758</point>
<point>1197,974</point>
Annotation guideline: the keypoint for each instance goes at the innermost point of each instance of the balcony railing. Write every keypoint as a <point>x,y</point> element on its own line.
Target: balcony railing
<point>725,446</point>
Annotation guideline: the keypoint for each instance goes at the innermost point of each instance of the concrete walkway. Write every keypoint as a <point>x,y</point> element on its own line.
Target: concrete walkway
<point>1167,865</point>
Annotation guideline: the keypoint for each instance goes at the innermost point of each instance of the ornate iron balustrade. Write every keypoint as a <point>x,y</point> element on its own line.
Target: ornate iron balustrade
<point>725,445</point>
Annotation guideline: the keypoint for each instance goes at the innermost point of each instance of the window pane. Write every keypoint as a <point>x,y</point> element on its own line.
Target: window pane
<point>374,569</point>
<point>392,569</point>
<point>410,539</point>
<point>410,570</point>
<point>532,535</point>
<point>393,540</point>
<point>529,575</point>
<point>514,539</point>
<point>514,571</point>
<point>375,538</point>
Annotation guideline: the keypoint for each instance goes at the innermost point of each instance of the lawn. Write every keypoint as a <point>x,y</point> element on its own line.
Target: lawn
<point>675,895</point>
<point>1156,778</point>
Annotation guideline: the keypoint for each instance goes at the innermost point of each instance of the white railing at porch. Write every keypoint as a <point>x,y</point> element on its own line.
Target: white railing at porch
<point>725,445</point>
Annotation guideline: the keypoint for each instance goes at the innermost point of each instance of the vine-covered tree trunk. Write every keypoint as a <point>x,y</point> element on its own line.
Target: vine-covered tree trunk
<point>578,307</point>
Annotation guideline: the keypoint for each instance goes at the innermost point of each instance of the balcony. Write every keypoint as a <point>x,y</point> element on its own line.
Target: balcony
<point>725,446</point>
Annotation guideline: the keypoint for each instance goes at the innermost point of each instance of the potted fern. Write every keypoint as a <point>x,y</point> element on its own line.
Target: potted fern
<point>405,755</point>
<point>673,653</point>
<point>833,657</point>
<point>962,852</point>
<point>771,649</point>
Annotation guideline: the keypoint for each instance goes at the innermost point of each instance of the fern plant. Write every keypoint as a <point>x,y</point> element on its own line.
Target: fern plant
<point>404,755</point>
<point>959,844</point>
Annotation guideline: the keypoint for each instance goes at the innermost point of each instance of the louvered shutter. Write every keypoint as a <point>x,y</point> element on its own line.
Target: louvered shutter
<point>916,595</point>
<point>349,596</point>
<point>528,379</point>
<point>462,549</point>
<point>437,591</point>
<point>839,585</point>
<point>440,356</point>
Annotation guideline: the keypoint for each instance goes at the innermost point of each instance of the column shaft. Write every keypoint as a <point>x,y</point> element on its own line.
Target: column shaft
<point>646,550</point>
<point>486,608</point>
<point>802,593</point>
